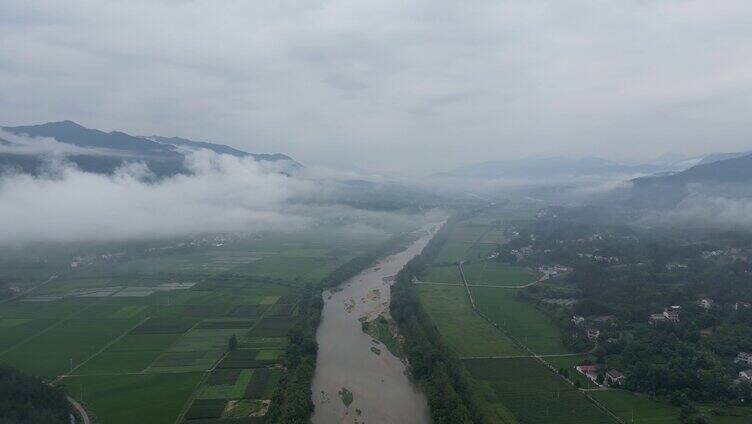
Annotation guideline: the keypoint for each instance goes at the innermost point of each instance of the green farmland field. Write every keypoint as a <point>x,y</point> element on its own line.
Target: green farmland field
<point>533,393</point>
<point>127,399</point>
<point>452,252</point>
<point>463,331</point>
<point>139,336</point>
<point>132,353</point>
<point>442,274</point>
<point>529,325</point>
<point>642,409</point>
<point>479,252</point>
<point>629,406</point>
<point>468,232</point>
<point>231,390</point>
<point>496,273</point>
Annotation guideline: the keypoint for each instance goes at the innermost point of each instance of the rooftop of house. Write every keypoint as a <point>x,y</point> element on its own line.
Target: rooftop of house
<point>587,369</point>
<point>615,374</point>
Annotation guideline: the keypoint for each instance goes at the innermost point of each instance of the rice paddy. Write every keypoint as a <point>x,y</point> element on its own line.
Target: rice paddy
<point>145,339</point>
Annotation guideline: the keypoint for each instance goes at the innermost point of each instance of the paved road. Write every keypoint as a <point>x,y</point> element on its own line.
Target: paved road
<point>80,410</point>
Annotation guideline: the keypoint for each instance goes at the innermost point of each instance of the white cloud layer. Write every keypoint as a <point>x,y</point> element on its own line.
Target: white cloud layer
<point>224,194</point>
<point>712,211</point>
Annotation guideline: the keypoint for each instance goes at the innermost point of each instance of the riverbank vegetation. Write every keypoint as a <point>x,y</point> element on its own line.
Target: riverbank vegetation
<point>440,375</point>
<point>292,401</point>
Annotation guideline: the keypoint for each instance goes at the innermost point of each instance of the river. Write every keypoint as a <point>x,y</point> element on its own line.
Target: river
<point>381,390</point>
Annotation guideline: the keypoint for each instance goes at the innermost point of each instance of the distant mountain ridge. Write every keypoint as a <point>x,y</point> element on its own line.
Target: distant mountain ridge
<point>103,151</point>
<point>217,148</point>
<point>550,167</point>
<point>667,166</point>
<point>736,168</point>
<point>715,157</point>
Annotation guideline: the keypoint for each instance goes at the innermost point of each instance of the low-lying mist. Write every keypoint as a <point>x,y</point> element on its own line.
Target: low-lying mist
<point>706,211</point>
<point>221,194</point>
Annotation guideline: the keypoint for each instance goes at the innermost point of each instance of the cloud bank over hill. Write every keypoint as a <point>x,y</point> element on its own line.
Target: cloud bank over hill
<point>709,211</point>
<point>20,145</point>
<point>222,194</point>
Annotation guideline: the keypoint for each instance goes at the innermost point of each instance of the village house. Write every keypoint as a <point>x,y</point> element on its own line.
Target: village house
<point>673,266</point>
<point>711,253</point>
<point>589,371</point>
<point>746,375</point>
<point>656,318</point>
<point>554,270</point>
<point>577,320</point>
<point>605,319</point>
<point>705,303</point>
<point>744,357</point>
<point>741,305</point>
<point>606,259</point>
<point>615,378</point>
<point>672,313</point>
<point>592,334</point>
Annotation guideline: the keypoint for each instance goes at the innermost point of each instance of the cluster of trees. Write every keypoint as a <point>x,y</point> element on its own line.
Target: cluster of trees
<point>688,361</point>
<point>440,374</point>
<point>292,401</point>
<point>28,400</point>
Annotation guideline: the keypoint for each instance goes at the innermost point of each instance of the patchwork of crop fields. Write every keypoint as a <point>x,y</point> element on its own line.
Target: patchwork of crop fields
<point>516,388</point>
<point>145,339</point>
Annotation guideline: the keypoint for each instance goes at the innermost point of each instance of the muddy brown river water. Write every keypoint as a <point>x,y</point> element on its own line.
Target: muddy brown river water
<point>381,391</point>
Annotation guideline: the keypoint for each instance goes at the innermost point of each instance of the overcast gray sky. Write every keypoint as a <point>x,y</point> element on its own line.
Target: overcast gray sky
<point>390,85</point>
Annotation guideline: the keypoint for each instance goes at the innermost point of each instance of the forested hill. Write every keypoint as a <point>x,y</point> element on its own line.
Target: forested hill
<point>97,151</point>
<point>26,399</point>
<point>733,170</point>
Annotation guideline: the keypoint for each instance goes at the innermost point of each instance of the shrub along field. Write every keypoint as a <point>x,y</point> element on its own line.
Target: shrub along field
<point>145,338</point>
